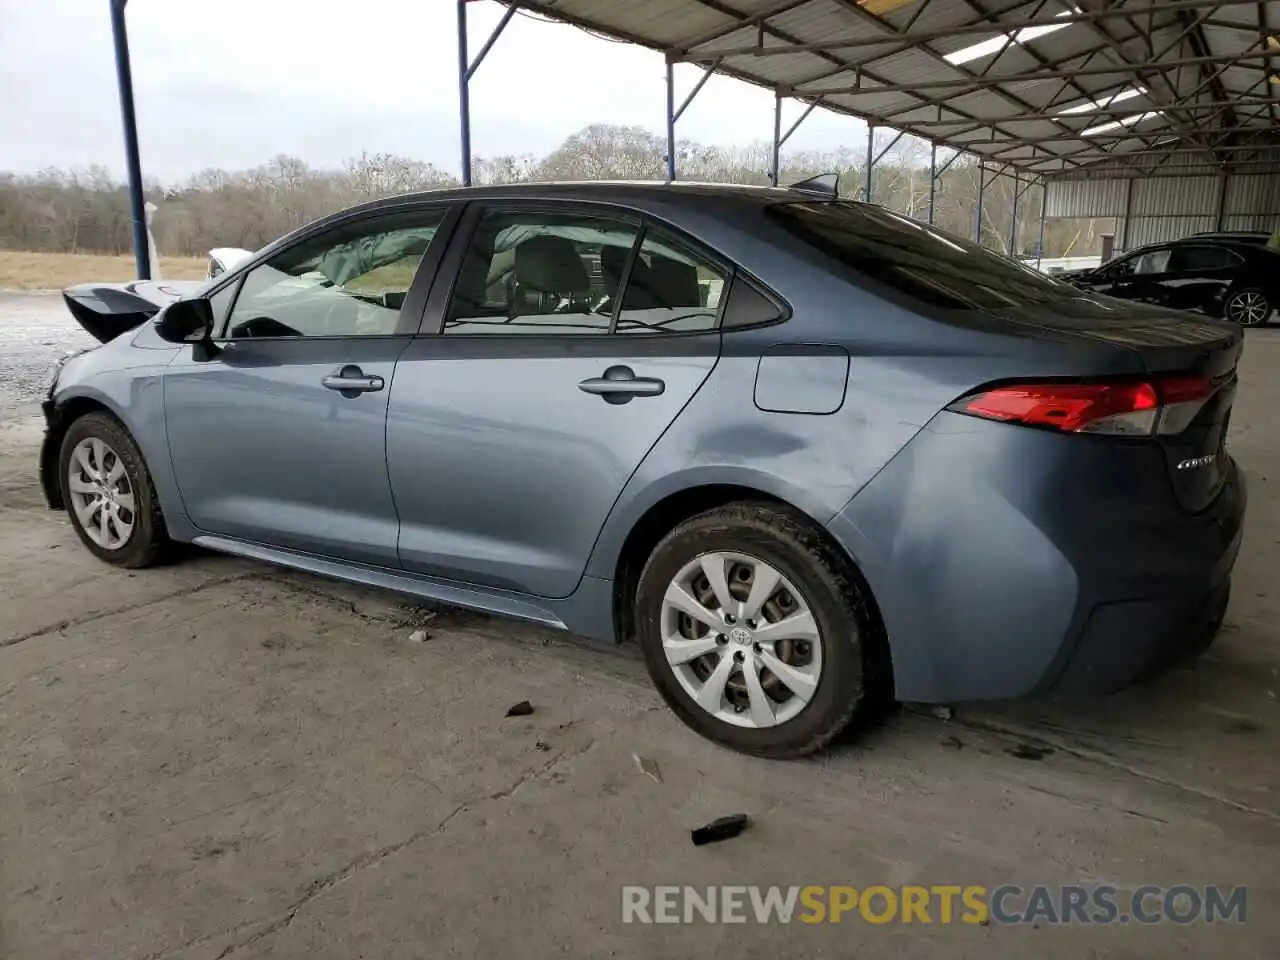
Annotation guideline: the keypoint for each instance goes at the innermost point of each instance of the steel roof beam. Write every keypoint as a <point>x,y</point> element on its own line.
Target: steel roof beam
<point>970,86</point>
<point>765,27</point>
<point>906,41</point>
<point>1030,51</point>
<point>1018,102</point>
<point>1111,114</point>
<point>1114,135</point>
<point>1188,134</point>
<point>1078,70</point>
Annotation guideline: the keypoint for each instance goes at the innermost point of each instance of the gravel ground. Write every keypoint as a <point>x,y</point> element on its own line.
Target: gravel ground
<point>35,329</point>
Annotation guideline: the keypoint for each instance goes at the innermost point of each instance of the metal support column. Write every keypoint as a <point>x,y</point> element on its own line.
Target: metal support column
<point>133,162</point>
<point>871,141</point>
<point>982,189</point>
<point>464,94</point>
<point>671,121</point>
<point>780,138</point>
<point>1128,215</point>
<point>466,70</point>
<point>872,160</point>
<point>1013,221</point>
<point>1222,202</point>
<point>775,156</point>
<point>933,179</point>
<point>1044,207</point>
<point>674,113</point>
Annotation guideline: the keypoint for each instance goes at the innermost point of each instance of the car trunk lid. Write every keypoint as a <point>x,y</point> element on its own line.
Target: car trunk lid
<point>1194,359</point>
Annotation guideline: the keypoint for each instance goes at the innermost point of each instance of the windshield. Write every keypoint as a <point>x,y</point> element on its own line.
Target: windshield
<point>915,258</point>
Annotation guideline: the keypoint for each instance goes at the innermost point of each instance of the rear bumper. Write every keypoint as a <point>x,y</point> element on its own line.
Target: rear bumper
<point>1008,561</point>
<point>1129,641</point>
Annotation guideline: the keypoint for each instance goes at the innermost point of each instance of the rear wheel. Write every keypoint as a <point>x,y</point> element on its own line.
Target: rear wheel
<point>756,634</point>
<point>108,493</point>
<point>1249,307</point>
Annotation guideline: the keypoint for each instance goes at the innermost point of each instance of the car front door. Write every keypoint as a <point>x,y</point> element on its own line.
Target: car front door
<point>1146,281</point>
<point>1111,278</point>
<point>277,435</point>
<point>571,339</point>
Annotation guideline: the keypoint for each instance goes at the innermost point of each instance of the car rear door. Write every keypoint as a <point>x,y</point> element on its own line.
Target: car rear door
<point>278,436</point>
<point>1199,274</point>
<point>540,384</point>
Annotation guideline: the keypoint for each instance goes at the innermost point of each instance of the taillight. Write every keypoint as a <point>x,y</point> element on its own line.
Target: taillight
<point>1133,408</point>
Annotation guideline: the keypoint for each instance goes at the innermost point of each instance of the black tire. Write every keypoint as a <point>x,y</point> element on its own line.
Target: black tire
<point>855,682</point>
<point>1267,305</point>
<point>148,543</point>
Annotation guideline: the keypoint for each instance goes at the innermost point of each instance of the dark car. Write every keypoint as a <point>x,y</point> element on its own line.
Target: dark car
<point>1223,277</point>
<point>812,454</point>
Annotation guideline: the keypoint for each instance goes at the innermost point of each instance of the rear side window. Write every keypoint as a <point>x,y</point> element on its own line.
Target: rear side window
<point>925,263</point>
<point>546,273</point>
<point>1203,257</point>
<point>670,289</point>
<point>540,273</point>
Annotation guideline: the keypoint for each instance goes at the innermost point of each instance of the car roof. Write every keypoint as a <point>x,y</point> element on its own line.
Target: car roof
<point>1216,240</point>
<point>603,191</point>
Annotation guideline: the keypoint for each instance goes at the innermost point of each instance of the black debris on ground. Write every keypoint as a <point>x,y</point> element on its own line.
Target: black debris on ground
<point>1029,751</point>
<point>724,828</point>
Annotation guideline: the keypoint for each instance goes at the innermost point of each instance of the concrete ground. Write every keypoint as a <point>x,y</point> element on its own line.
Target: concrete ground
<point>220,759</point>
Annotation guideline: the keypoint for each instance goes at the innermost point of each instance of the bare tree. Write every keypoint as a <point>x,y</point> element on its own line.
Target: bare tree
<point>71,210</point>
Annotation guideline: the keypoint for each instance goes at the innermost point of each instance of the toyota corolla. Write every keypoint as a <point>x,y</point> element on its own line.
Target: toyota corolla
<point>812,455</point>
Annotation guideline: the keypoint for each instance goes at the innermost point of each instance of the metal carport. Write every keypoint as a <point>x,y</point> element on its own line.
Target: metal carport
<point>1050,90</point>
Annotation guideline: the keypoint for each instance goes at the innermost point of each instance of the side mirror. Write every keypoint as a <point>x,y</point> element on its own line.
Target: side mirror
<point>186,321</point>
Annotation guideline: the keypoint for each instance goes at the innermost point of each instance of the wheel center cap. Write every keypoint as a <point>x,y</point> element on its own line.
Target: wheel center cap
<point>740,635</point>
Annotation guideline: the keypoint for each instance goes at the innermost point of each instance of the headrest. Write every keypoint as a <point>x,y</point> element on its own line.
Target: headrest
<point>676,282</point>
<point>551,264</point>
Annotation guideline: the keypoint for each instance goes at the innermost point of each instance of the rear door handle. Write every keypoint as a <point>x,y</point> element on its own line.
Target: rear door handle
<point>620,384</point>
<point>350,381</point>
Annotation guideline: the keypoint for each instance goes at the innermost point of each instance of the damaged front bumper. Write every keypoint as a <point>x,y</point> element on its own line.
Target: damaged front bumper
<point>50,449</point>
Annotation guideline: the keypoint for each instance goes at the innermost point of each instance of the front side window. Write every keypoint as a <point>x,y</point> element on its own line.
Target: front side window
<point>670,289</point>
<point>540,273</point>
<point>347,282</point>
<point>1154,261</point>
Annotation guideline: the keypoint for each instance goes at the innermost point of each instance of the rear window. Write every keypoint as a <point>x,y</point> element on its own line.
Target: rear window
<point>915,258</point>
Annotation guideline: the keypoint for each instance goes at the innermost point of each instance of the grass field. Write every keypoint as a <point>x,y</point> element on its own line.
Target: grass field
<point>20,270</point>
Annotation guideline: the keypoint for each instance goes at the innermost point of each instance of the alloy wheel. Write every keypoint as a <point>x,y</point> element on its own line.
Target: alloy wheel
<point>741,640</point>
<point>101,494</point>
<point>1248,307</point>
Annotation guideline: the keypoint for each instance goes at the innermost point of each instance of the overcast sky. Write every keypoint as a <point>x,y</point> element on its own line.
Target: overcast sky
<point>231,83</point>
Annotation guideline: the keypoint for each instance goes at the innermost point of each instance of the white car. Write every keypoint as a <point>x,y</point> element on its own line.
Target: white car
<point>222,259</point>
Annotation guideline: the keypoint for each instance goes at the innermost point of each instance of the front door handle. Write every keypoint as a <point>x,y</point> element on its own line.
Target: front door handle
<point>620,384</point>
<point>350,381</point>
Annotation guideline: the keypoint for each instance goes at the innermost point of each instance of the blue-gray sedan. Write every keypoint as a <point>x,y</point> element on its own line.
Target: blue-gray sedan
<point>811,454</point>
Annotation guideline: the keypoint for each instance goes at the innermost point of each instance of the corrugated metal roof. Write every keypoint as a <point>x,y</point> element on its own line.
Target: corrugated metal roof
<point>960,72</point>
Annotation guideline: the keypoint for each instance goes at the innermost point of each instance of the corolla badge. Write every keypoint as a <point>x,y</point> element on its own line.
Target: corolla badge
<point>1195,462</point>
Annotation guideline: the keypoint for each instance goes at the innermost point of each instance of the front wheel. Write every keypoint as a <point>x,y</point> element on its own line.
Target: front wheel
<point>1249,307</point>
<point>108,493</point>
<point>755,632</point>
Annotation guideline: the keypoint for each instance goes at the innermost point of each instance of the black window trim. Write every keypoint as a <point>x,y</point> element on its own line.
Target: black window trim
<point>416,296</point>
<point>450,266</point>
